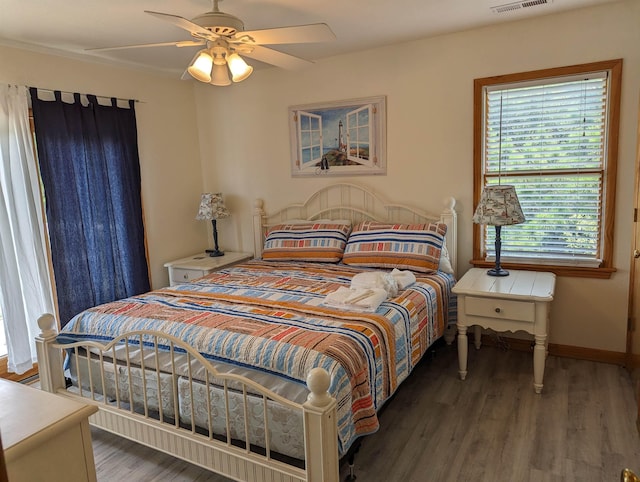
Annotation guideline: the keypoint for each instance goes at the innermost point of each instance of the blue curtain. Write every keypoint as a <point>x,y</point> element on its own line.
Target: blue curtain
<point>90,170</point>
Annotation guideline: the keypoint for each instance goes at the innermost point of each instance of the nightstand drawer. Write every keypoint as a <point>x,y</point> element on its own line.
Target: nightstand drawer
<point>179,275</point>
<point>500,309</point>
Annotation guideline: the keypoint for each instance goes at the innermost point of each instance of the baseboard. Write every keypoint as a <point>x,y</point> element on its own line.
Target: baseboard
<point>634,361</point>
<point>591,354</point>
<point>567,351</point>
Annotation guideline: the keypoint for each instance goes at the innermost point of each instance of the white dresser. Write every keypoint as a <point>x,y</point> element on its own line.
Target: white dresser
<point>187,269</point>
<point>45,437</point>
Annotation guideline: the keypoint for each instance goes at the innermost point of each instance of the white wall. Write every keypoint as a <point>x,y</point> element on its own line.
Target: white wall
<point>167,143</point>
<point>244,137</point>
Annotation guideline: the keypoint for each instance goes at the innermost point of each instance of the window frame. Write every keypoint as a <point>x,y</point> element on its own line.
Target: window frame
<point>606,268</point>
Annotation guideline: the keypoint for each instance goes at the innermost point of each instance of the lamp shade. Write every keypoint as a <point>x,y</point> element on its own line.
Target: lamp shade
<point>238,67</point>
<point>499,206</point>
<point>220,75</point>
<point>200,68</point>
<point>212,207</point>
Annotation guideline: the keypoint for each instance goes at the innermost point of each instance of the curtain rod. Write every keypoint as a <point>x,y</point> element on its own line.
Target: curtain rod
<point>52,91</point>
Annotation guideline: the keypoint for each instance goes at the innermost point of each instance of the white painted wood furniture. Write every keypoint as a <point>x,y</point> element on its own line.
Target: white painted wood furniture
<point>520,301</point>
<point>45,437</point>
<point>187,269</point>
<point>321,460</point>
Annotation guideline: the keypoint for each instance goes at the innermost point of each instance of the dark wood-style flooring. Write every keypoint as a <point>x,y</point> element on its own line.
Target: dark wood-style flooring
<point>490,427</point>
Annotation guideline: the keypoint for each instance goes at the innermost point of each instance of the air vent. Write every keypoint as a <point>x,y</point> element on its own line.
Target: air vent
<point>510,7</point>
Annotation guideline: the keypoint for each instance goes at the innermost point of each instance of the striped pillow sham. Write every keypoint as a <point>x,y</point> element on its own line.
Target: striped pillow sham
<point>416,247</point>
<point>319,242</point>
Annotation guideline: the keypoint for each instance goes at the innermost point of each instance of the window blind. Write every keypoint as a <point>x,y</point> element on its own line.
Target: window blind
<point>548,140</point>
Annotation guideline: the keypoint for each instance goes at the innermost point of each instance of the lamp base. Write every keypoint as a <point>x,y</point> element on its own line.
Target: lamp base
<point>497,272</point>
<point>214,252</point>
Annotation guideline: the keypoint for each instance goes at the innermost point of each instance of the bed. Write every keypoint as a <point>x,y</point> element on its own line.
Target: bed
<point>261,371</point>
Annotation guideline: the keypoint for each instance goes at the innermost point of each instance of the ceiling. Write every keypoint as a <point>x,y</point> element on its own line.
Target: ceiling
<point>70,27</point>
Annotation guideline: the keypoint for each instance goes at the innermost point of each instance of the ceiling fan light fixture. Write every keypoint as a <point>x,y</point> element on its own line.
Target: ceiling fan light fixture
<point>220,75</point>
<point>240,70</point>
<point>225,38</point>
<point>200,68</point>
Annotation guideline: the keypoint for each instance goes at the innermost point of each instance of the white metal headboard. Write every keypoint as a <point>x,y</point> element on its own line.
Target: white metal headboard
<point>354,203</point>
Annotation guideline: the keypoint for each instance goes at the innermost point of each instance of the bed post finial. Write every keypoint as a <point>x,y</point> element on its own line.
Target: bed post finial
<point>49,358</point>
<point>47,325</point>
<point>318,382</point>
<point>450,203</point>
<point>321,429</point>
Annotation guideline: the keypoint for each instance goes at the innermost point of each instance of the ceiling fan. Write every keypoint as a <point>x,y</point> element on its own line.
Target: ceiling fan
<point>224,38</point>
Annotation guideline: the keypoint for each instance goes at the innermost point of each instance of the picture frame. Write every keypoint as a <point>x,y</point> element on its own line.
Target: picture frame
<point>339,138</point>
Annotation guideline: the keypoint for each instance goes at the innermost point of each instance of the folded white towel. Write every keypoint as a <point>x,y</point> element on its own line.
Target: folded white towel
<point>375,279</point>
<point>358,295</point>
<point>403,278</point>
<point>366,300</point>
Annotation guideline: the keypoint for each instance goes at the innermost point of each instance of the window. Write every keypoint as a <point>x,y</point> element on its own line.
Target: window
<point>553,134</point>
<point>310,129</point>
<point>359,131</point>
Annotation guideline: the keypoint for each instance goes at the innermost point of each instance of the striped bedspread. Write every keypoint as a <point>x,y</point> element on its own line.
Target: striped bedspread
<point>269,315</point>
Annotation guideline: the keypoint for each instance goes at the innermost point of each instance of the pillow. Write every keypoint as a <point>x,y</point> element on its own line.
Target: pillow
<point>310,241</point>
<point>404,246</point>
<point>445,262</point>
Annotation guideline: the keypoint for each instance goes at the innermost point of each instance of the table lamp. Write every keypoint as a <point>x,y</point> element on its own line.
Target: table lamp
<point>212,208</point>
<point>499,206</point>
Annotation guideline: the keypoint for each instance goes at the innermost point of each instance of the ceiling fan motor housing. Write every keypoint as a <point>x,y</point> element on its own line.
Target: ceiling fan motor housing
<point>219,23</point>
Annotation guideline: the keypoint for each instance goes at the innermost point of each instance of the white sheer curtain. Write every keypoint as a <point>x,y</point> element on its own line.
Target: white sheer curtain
<point>25,288</point>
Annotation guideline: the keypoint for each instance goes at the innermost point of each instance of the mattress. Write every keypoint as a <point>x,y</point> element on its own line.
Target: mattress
<point>267,320</point>
<point>126,386</point>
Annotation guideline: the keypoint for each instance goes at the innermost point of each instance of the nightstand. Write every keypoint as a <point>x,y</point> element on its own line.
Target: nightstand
<point>520,301</point>
<point>45,436</point>
<point>187,269</point>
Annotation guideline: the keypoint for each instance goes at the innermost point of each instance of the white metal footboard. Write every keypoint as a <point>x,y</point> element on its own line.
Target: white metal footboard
<point>160,404</point>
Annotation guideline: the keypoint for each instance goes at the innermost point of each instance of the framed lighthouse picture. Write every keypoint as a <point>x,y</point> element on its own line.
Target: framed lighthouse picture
<point>340,138</point>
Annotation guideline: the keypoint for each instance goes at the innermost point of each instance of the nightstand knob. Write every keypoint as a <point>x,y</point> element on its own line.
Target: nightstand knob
<point>498,310</point>
<point>186,276</point>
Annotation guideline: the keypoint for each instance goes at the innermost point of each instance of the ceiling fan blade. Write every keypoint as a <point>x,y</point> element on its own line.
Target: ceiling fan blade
<point>182,43</point>
<point>316,32</point>
<point>185,24</point>
<point>273,57</point>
